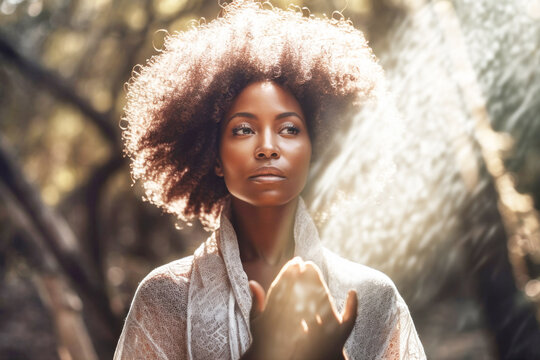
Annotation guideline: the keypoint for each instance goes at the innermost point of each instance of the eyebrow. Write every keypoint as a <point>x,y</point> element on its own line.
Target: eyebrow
<point>252,116</point>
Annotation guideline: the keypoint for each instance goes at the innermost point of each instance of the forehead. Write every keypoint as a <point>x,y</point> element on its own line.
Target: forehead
<point>265,97</point>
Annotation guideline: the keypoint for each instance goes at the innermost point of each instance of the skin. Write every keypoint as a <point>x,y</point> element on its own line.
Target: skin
<point>264,158</point>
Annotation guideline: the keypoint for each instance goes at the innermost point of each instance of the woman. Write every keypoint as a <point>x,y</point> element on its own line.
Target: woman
<point>223,126</point>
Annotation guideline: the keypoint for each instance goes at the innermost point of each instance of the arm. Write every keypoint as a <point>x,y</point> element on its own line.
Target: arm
<point>402,342</point>
<point>392,350</point>
<point>384,329</point>
<point>156,323</point>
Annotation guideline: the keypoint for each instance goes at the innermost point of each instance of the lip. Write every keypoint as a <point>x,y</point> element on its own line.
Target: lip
<point>266,179</point>
<point>267,174</point>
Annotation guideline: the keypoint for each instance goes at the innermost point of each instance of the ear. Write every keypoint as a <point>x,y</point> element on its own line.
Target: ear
<point>218,169</point>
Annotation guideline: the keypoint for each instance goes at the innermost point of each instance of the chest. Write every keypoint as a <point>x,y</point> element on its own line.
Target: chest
<point>261,272</point>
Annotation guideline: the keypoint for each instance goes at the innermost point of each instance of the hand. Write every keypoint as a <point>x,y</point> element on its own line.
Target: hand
<point>298,319</point>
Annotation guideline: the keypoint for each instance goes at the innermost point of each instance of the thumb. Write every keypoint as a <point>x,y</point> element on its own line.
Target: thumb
<point>348,316</point>
<point>258,297</point>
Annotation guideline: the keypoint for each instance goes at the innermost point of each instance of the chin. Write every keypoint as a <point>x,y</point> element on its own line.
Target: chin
<point>267,198</point>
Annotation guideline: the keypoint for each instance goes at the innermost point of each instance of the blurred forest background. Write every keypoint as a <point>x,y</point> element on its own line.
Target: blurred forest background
<point>76,238</point>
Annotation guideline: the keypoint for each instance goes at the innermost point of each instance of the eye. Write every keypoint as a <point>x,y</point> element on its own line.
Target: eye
<point>289,129</point>
<point>242,129</point>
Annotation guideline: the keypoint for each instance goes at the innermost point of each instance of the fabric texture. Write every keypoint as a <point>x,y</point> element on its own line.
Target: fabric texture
<point>198,307</point>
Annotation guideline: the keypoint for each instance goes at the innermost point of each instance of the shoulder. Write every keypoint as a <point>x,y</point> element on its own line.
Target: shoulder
<point>368,282</point>
<point>166,284</point>
<point>179,269</point>
<point>377,310</point>
<point>155,326</point>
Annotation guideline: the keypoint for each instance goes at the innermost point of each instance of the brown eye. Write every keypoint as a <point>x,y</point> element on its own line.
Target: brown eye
<point>289,130</point>
<point>242,130</point>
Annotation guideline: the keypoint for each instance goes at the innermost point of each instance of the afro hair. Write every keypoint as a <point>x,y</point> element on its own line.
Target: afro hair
<point>177,100</point>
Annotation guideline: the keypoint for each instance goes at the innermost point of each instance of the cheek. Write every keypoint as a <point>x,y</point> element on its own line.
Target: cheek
<point>232,158</point>
<point>302,158</point>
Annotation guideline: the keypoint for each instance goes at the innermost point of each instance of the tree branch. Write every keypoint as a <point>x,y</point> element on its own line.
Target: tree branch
<point>59,88</point>
<point>58,238</point>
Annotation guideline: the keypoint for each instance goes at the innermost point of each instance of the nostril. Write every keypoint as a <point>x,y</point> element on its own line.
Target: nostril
<point>264,154</point>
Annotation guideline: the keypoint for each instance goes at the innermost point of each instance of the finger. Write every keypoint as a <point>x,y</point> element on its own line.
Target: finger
<point>283,306</point>
<point>314,276</point>
<point>313,296</point>
<point>343,323</point>
<point>313,325</point>
<point>314,299</point>
<point>286,308</point>
<point>308,287</point>
<point>350,311</point>
<point>319,313</point>
<point>282,284</point>
<point>312,271</point>
<point>290,269</point>
<point>327,312</point>
<point>257,307</point>
<point>326,306</point>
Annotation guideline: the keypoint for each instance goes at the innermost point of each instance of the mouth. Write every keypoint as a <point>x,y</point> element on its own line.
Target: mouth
<point>267,174</point>
<point>268,178</point>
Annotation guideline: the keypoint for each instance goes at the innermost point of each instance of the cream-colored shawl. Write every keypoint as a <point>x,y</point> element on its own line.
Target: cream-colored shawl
<point>198,307</point>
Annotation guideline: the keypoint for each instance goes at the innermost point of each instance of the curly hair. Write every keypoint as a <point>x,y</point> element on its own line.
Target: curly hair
<point>177,100</point>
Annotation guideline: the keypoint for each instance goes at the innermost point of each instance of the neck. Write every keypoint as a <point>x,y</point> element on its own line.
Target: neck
<point>264,233</point>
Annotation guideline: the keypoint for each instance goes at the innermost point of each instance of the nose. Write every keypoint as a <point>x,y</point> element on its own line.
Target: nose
<point>267,148</point>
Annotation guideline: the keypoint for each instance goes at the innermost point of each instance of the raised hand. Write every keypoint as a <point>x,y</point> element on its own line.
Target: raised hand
<point>298,319</point>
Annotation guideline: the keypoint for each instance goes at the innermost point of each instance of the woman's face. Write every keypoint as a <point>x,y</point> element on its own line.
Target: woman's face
<point>265,149</point>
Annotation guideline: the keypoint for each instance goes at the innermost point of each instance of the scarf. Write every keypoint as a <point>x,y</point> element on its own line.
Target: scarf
<point>219,300</point>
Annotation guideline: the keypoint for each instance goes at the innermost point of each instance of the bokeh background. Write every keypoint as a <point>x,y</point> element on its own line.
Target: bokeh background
<point>456,224</point>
